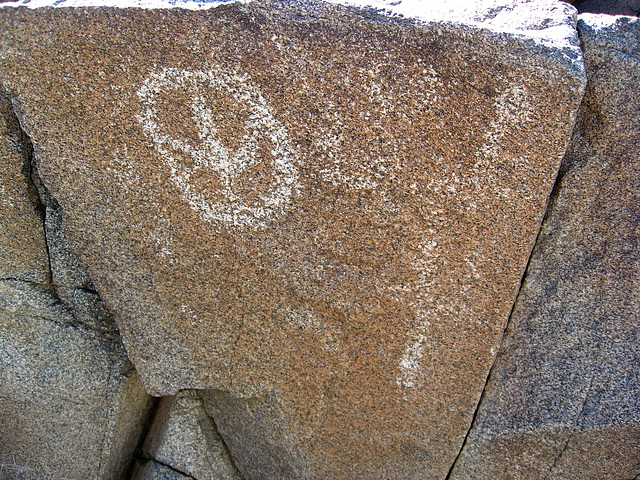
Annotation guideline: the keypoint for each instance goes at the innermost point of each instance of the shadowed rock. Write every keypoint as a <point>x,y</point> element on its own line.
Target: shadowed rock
<point>23,251</point>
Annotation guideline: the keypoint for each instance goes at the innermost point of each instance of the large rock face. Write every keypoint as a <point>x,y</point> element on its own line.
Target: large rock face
<point>326,209</point>
<point>563,398</point>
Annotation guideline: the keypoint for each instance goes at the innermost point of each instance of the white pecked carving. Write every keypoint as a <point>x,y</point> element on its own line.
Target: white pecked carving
<point>188,164</point>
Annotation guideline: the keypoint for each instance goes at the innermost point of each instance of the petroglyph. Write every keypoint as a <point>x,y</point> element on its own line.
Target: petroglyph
<point>369,171</point>
<point>411,373</point>
<point>512,107</point>
<point>210,173</point>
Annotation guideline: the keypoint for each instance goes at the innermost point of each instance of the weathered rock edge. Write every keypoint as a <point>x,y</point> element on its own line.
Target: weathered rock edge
<point>562,400</point>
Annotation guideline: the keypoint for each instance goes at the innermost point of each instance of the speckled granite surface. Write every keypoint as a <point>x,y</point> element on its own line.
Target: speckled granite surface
<point>563,397</point>
<point>324,210</point>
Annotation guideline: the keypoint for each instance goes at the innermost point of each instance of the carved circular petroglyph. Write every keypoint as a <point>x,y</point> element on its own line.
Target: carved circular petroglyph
<point>244,177</point>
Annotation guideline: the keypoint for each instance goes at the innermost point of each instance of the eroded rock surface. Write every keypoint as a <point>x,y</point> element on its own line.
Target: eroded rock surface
<point>321,211</point>
<point>563,400</point>
<point>71,404</point>
<point>184,438</point>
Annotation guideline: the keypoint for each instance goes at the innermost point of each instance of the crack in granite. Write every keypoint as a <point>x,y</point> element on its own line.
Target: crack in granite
<point>573,430</point>
<point>143,437</point>
<point>209,428</point>
<point>173,469</point>
<point>551,199</point>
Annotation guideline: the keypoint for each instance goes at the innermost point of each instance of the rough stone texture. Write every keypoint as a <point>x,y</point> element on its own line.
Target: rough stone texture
<point>23,251</point>
<point>563,401</point>
<point>256,432</point>
<point>324,208</point>
<point>155,471</point>
<point>71,404</point>
<point>184,438</point>
<point>69,278</point>
<point>610,7</point>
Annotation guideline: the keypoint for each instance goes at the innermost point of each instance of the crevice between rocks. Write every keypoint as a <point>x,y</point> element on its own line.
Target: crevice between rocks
<point>34,185</point>
<point>550,201</point>
<point>563,169</point>
<point>573,431</point>
<point>172,468</point>
<point>491,370</point>
<point>150,443</point>
<point>36,189</point>
<point>36,192</point>
<point>138,452</point>
<point>42,201</point>
<point>207,420</point>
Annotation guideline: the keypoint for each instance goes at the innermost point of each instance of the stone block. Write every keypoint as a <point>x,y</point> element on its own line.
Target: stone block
<point>321,210</point>
<point>183,437</point>
<point>563,400</point>
<point>71,405</point>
